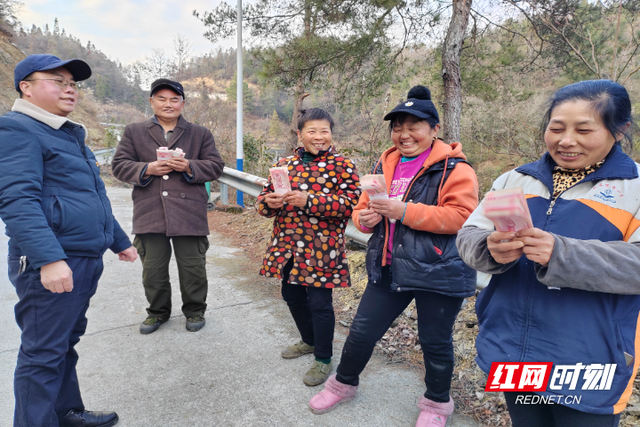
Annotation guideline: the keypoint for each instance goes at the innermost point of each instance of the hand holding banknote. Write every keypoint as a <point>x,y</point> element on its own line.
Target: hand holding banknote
<point>274,200</point>
<point>507,246</point>
<point>503,248</point>
<point>392,209</point>
<point>538,244</point>
<point>296,198</point>
<point>368,218</point>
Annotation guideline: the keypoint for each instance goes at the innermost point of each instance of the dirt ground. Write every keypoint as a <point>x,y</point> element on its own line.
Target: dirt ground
<point>250,232</point>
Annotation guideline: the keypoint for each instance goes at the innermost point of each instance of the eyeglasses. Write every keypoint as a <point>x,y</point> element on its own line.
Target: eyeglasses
<point>62,84</point>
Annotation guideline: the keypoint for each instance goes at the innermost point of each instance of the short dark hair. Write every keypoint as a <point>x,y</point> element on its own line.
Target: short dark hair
<point>400,118</point>
<point>314,114</point>
<point>610,102</point>
<point>27,77</point>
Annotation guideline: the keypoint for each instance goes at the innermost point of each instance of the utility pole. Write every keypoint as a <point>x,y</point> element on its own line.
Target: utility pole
<point>239,103</point>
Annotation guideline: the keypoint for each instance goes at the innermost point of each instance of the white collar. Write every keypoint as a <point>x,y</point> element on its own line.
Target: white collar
<point>35,112</point>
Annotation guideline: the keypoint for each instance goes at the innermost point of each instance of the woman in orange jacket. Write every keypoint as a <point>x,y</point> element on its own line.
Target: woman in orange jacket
<point>412,254</point>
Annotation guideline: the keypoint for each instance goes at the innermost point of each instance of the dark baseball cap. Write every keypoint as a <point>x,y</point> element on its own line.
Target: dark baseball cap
<point>167,84</point>
<point>79,69</point>
<point>418,104</point>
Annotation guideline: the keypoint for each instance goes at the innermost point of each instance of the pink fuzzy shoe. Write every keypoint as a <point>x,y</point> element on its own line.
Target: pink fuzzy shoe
<point>433,414</point>
<point>334,393</point>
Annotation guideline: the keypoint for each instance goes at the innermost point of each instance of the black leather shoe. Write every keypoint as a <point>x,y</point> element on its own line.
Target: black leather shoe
<point>75,418</point>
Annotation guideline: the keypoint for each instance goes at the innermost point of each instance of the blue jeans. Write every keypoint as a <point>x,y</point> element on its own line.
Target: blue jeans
<point>45,381</point>
<point>377,310</point>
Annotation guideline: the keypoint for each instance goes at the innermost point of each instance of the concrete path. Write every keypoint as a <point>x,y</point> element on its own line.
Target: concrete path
<point>228,374</point>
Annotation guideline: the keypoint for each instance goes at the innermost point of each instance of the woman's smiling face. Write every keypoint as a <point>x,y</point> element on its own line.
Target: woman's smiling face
<point>575,137</point>
<point>413,136</point>
<point>316,136</point>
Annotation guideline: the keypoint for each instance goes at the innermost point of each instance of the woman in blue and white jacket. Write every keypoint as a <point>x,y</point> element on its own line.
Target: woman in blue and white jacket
<point>567,291</point>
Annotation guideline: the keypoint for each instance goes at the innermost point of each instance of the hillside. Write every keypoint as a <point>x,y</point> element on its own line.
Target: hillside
<point>10,55</point>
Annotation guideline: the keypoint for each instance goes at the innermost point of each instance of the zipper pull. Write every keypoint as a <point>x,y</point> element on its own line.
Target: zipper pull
<point>23,264</point>
<point>551,207</point>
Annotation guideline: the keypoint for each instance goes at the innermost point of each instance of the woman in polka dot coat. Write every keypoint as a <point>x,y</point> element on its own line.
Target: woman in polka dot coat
<point>306,249</point>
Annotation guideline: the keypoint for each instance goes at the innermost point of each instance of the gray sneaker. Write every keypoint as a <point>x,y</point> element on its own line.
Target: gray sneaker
<point>151,324</point>
<point>297,350</point>
<point>194,324</point>
<point>318,373</point>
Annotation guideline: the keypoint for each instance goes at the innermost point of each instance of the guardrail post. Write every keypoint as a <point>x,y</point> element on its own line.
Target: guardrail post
<point>224,194</point>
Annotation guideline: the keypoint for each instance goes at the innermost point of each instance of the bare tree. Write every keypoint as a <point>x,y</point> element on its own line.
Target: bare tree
<point>182,57</point>
<point>154,66</point>
<point>303,44</point>
<point>8,11</point>
<point>592,39</point>
<point>451,50</point>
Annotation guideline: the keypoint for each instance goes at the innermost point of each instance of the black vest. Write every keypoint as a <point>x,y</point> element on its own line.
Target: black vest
<point>416,264</point>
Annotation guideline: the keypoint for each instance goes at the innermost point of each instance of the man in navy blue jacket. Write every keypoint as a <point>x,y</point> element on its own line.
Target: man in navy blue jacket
<point>59,221</point>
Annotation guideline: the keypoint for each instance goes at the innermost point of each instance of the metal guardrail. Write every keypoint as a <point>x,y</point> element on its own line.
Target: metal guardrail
<point>245,182</point>
<point>104,155</point>
<point>253,185</point>
<point>102,151</point>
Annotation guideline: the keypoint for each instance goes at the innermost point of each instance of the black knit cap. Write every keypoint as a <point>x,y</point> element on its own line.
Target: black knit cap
<point>418,104</point>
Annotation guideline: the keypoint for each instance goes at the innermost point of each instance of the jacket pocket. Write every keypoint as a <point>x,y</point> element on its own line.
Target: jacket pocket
<point>56,215</point>
<point>627,354</point>
<point>426,249</point>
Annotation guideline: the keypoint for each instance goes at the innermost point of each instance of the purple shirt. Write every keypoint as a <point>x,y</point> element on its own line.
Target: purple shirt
<point>402,177</point>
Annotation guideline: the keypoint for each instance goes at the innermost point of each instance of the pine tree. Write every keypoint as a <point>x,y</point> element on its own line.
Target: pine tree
<point>102,90</point>
<point>247,94</point>
<point>274,127</point>
<point>306,51</point>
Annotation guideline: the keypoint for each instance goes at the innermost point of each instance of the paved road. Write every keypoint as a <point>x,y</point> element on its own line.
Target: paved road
<point>228,374</point>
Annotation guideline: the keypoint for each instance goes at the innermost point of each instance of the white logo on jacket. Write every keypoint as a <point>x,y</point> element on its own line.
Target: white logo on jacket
<point>607,192</point>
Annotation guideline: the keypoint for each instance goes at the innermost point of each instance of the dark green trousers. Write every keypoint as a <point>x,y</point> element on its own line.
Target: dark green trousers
<point>155,254</point>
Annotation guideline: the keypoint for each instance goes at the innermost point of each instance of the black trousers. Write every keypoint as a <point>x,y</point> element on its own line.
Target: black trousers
<point>312,310</point>
<point>552,415</point>
<point>378,309</point>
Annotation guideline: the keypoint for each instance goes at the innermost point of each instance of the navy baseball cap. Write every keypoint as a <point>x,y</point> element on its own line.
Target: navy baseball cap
<point>79,69</point>
<point>167,84</point>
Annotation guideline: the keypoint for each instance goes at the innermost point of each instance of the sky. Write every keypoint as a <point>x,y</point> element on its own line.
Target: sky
<point>126,30</point>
